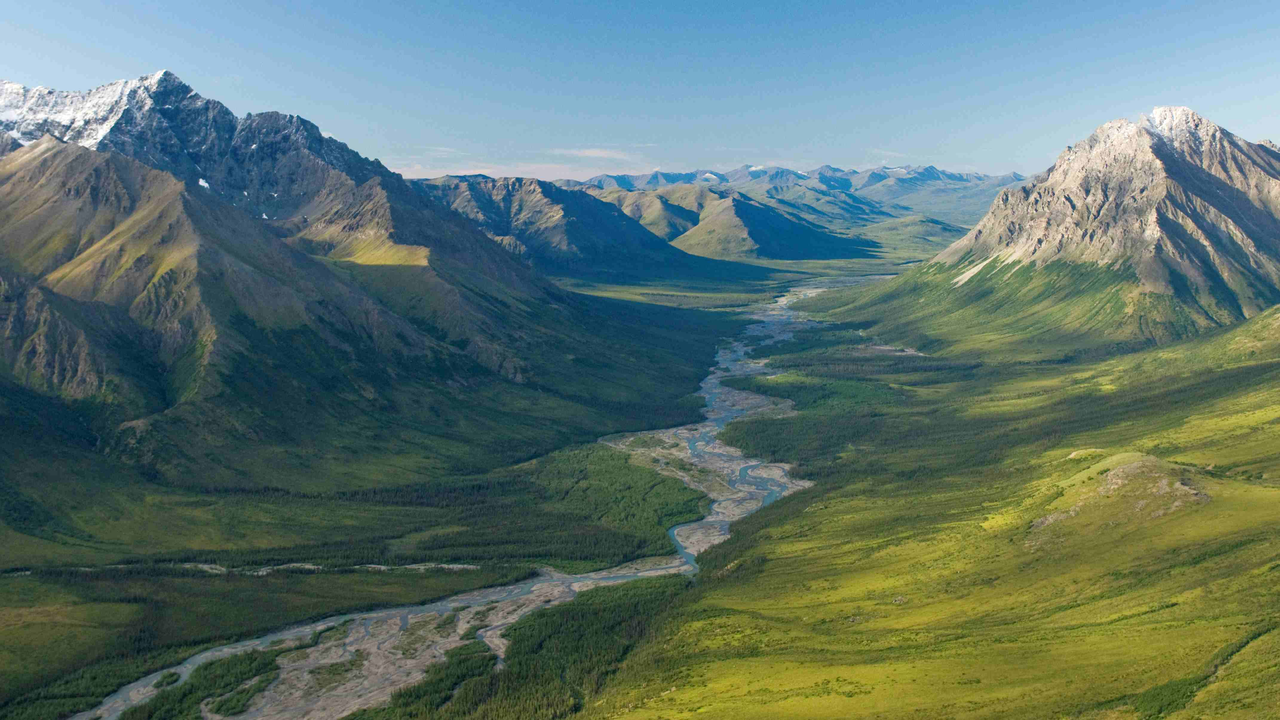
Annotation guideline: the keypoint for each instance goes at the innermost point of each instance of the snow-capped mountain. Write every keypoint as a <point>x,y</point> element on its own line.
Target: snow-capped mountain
<point>156,115</point>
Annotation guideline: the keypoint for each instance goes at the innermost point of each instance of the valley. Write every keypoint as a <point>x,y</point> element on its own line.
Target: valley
<point>393,649</point>
<point>289,434</point>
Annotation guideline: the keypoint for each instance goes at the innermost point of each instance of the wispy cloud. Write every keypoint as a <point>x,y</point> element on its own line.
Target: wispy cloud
<point>440,151</point>
<point>593,153</point>
<point>541,170</point>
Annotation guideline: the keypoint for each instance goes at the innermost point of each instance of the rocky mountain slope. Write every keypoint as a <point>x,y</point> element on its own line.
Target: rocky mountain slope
<point>1189,208</point>
<point>1144,232</point>
<point>312,190</point>
<point>243,300</point>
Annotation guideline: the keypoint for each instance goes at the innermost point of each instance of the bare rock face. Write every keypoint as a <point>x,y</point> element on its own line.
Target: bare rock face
<point>1189,208</point>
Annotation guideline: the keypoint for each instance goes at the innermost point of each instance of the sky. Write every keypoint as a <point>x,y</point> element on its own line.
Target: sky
<point>573,89</point>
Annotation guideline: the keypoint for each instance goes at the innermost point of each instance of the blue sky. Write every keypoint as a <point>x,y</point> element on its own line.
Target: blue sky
<point>571,89</point>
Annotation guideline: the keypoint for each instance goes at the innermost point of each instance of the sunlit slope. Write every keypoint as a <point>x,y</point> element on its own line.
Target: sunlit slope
<point>727,224</point>
<point>192,336</point>
<point>739,227</point>
<point>996,540</point>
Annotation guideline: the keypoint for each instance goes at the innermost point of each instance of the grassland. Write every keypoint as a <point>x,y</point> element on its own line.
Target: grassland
<point>992,537</point>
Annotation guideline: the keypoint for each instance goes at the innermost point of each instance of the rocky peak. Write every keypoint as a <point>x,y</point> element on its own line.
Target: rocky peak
<point>1180,125</point>
<point>1189,208</point>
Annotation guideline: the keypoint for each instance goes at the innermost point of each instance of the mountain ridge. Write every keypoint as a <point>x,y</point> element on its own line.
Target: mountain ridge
<point>220,293</point>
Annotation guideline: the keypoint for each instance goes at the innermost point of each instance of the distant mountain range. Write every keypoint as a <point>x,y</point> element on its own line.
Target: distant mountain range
<point>960,198</point>
<point>720,222</point>
<point>775,213</point>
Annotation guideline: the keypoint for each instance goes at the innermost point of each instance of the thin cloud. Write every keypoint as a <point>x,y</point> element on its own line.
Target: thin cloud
<point>434,150</point>
<point>593,153</point>
<point>542,171</point>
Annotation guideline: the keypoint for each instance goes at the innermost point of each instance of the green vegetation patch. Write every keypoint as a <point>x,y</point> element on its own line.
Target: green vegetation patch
<point>327,676</point>
<point>557,660</point>
<point>237,701</point>
<point>229,679</point>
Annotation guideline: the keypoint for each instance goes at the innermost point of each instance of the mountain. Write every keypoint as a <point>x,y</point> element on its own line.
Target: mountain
<point>558,230</point>
<point>960,198</point>
<point>836,199</point>
<point>1189,208</point>
<point>314,191</point>
<point>718,222</point>
<point>240,301</point>
<point>1144,232</point>
<point>128,288</point>
<point>669,212</point>
<point>647,181</point>
<point>740,227</point>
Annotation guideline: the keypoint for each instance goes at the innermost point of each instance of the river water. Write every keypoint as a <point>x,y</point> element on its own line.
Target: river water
<point>744,486</point>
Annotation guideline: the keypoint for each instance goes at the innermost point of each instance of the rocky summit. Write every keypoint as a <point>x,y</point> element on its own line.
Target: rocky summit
<point>1185,206</point>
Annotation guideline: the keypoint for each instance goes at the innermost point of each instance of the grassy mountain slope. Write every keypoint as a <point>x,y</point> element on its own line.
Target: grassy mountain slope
<point>567,233</point>
<point>667,213</point>
<point>193,343</point>
<point>992,539</point>
<point>738,227</point>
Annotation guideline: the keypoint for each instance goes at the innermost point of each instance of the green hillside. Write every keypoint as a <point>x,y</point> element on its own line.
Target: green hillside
<point>992,538</point>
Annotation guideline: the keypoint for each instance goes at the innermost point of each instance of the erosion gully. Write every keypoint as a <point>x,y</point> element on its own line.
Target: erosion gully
<point>396,644</point>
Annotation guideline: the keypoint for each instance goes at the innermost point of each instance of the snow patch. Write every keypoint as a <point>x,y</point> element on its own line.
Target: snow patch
<point>253,146</point>
<point>756,167</point>
<point>264,216</point>
<point>204,184</point>
<point>246,193</point>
